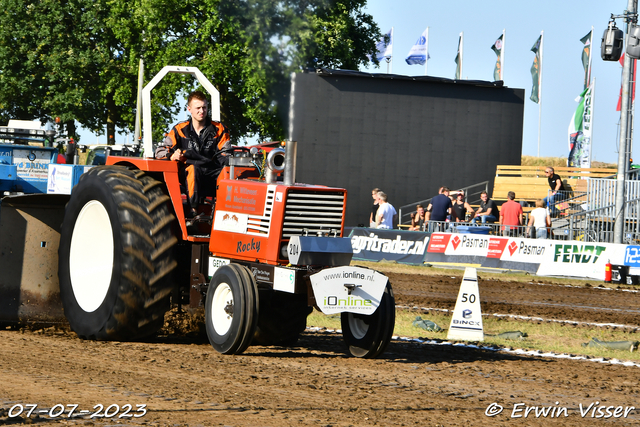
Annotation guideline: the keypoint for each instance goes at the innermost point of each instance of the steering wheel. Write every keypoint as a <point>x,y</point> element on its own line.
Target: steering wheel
<point>235,148</point>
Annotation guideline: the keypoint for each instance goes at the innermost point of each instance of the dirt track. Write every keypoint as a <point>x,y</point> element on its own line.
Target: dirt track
<point>316,384</point>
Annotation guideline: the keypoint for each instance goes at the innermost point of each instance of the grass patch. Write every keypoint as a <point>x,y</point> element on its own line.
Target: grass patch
<point>543,336</point>
<point>559,162</point>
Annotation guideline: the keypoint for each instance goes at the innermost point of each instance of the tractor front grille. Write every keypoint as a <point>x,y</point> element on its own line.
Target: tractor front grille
<point>316,212</point>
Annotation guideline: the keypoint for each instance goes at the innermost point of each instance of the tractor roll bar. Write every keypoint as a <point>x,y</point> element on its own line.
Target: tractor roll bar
<point>214,107</point>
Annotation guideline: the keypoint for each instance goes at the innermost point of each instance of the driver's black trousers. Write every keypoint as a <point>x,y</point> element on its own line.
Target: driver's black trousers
<point>200,183</point>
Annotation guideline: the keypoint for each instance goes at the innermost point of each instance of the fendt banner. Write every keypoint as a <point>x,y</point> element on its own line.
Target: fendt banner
<point>372,244</point>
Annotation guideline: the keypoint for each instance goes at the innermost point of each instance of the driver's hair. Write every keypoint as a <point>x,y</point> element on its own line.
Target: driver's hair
<point>196,94</point>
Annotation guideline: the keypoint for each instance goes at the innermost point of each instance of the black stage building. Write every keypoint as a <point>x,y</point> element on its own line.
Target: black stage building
<point>405,135</point>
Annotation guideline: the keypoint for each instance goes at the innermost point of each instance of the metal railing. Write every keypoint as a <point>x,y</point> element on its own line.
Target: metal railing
<point>596,225</point>
<point>495,229</point>
<point>590,215</point>
<point>471,192</point>
<point>566,202</point>
<point>602,191</point>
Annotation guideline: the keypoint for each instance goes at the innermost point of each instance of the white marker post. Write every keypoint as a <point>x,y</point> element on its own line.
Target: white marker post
<point>466,323</point>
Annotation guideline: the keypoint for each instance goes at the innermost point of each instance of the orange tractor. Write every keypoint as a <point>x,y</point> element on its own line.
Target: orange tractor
<point>271,250</point>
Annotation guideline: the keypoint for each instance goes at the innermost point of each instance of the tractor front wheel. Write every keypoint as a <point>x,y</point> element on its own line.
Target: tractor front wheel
<point>367,336</point>
<point>231,309</point>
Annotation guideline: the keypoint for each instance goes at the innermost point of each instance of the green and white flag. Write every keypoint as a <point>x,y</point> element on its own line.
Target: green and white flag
<point>586,58</point>
<point>535,71</point>
<point>497,48</point>
<point>580,131</point>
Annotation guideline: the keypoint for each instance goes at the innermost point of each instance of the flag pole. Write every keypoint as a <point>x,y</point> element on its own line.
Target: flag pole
<point>504,36</point>
<point>590,55</point>
<point>540,90</point>
<point>390,63</point>
<point>426,60</point>
<point>626,123</point>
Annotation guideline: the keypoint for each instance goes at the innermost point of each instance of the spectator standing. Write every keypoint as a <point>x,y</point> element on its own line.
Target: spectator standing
<point>487,211</point>
<point>417,219</point>
<point>510,215</point>
<point>539,220</point>
<point>557,191</point>
<point>386,215</point>
<point>374,208</point>
<point>439,207</point>
<point>460,208</point>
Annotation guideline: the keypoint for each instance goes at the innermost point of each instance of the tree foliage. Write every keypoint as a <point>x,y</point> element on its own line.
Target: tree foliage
<point>78,59</point>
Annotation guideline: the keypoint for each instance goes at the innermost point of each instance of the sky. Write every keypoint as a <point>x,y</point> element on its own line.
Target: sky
<point>564,23</point>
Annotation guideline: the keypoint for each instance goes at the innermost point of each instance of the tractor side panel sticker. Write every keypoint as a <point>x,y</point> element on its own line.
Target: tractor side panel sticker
<point>32,164</point>
<point>231,221</point>
<point>216,263</point>
<point>284,280</point>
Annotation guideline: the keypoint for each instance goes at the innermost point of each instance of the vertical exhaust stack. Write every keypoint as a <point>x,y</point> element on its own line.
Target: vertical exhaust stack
<point>290,156</point>
<point>291,146</point>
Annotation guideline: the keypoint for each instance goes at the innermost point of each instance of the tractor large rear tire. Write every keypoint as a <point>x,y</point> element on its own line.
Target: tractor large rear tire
<point>116,255</point>
<point>368,336</point>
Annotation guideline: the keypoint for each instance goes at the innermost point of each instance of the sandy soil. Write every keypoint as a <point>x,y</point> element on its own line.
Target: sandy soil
<point>183,381</point>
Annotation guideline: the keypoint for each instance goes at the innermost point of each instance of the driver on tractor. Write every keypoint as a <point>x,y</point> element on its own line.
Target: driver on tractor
<point>198,145</point>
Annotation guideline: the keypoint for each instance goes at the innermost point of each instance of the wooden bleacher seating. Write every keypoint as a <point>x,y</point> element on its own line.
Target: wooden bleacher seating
<point>530,183</point>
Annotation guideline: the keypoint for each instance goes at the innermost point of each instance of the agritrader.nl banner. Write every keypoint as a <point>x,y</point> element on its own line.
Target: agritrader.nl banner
<point>372,244</point>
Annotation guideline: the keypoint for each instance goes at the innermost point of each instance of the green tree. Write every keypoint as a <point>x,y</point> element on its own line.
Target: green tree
<point>249,48</point>
<point>78,59</point>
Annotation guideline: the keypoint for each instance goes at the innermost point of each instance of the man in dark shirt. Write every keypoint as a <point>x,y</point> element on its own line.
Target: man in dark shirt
<point>556,192</point>
<point>439,208</point>
<point>487,211</point>
<point>198,145</point>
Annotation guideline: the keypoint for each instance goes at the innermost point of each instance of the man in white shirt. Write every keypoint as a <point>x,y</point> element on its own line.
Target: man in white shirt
<point>386,215</point>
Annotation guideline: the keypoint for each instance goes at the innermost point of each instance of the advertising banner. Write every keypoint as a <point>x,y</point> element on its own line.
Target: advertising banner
<point>372,244</point>
<point>632,256</point>
<point>580,131</point>
<point>579,259</point>
<point>469,249</point>
<point>348,289</point>
<point>517,253</point>
<point>542,257</point>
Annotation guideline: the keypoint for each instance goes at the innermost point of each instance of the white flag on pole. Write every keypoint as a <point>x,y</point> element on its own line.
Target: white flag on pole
<point>418,54</point>
<point>384,48</point>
